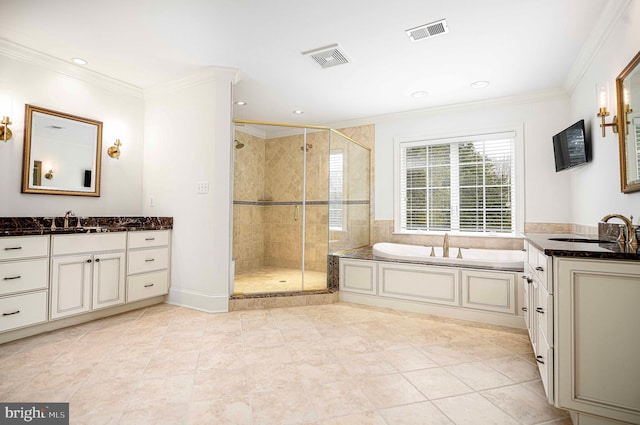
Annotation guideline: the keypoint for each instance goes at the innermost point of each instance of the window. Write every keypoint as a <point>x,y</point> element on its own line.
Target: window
<point>463,184</point>
<point>336,188</point>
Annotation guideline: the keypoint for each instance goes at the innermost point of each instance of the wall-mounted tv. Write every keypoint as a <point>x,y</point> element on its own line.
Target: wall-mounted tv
<point>571,147</point>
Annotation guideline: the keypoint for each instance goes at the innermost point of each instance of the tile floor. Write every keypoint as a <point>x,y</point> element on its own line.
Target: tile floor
<point>324,364</point>
<point>277,279</point>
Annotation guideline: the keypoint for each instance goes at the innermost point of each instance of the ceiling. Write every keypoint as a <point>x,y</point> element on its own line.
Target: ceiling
<point>520,47</point>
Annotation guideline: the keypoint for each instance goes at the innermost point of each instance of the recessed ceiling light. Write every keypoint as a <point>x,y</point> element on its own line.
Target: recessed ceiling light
<point>479,84</point>
<point>79,61</point>
<point>240,102</point>
<point>298,112</point>
<point>419,94</point>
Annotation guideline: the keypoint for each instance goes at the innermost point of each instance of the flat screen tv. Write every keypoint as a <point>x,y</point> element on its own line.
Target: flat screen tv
<point>571,147</point>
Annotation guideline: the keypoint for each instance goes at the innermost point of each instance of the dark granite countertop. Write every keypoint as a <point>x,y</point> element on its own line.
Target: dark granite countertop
<point>28,226</point>
<point>584,249</point>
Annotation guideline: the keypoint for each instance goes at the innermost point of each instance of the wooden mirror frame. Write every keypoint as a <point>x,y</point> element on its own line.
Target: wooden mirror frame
<point>625,187</point>
<point>26,164</point>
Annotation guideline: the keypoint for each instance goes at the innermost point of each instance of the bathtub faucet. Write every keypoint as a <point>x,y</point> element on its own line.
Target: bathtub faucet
<point>445,246</point>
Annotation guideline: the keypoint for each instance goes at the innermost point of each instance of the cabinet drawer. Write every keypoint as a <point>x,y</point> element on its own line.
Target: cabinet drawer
<point>544,358</point>
<point>544,312</point>
<point>21,276</point>
<point>147,285</point>
<point>24,247</point>
<point>77,244</point>
<point>148,239</point>
<point>147,260</point>
<point>23,310</point>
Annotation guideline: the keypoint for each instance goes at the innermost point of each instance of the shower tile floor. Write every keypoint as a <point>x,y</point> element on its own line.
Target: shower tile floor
<point>278,279</point>
<point>312,365</point>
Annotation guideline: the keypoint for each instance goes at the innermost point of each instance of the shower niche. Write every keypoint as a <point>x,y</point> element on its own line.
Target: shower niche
<point>297,198</point>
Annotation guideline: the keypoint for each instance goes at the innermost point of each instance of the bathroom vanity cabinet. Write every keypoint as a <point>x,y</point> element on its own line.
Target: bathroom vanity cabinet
<point>54,280</point>
<point>87,272</point>
<point>24,281</point>
<point>583,323</point>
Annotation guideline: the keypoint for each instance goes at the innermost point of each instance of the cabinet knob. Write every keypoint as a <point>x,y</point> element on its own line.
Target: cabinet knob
<point>89,260</point>
<point>11,314</point>
<point>97,260</point>
<point>527,278</point>
<point>540,359</point>
<point>540,268</point>
<point>149,239</point>
<point>539,310</point>
<point>525,309</point>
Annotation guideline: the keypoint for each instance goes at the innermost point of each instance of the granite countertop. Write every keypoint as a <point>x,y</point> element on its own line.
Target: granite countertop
<point>27,226</point>
<point>589,248</point>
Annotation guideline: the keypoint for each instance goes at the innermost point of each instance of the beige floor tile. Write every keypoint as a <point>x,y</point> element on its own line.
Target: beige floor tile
<point>368,418</point>
<point>407,359</point>
<point>169,414</point>
<point>338,399</point>
<point>224,411</point>
<point>515,368</point>
<point>479,375</point>
<point>366,364</point>
<point>523,405</point>
<point>267,355</point>
<point>462,352</point>
<point>282,407</point>
<point>424,413</point>
<point>218,384</point>
<point>272,377</point>
<point>107,397</point>
<point>473,409</point>
<point>209,361</point>
<point>436,383</point>
<point>159,392</point>
<point>389,390</point>
<point>168,362</point>
<point>262,338</point>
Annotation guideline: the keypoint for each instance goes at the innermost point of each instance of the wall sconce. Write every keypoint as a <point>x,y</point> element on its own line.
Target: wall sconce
<point>627,110</point>
<point>603,102</point>
<point>114,151</point>
<point>5,131</point>
<point>49,174</point>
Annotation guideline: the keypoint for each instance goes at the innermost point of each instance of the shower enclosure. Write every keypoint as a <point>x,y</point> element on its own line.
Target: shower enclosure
<point>297,198</point>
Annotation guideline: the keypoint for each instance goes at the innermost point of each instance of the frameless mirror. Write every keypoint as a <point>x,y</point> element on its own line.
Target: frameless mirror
<point>61,153</point>
<point>628,93</point>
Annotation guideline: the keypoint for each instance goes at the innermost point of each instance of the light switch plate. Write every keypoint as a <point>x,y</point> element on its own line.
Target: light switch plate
<point>202,187</point>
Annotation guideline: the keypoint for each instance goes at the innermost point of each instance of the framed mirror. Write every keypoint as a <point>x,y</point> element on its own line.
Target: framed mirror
<point>61,153</point>
<point>628,94</point>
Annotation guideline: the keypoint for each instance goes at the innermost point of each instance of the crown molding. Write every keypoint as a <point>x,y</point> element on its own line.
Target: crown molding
<point>540,96</point>
<point>204,76</point>
<point>612,13</point>
<point>34,57</point>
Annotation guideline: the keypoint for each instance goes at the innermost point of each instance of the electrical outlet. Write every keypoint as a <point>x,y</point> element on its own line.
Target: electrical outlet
<point>152,201</point>
<point>202,187</point>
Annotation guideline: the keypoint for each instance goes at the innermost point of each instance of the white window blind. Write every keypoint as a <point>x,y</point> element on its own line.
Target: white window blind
<point>464,184</point>
<point>336,188</point>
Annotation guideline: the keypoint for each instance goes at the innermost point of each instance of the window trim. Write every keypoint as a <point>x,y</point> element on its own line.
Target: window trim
<point>436,138</point>
<point>343,208</point>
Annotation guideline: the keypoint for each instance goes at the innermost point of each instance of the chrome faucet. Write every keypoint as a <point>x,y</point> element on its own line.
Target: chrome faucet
<point>631,238</point>
<point>445,246</point>
<point>66,218</point>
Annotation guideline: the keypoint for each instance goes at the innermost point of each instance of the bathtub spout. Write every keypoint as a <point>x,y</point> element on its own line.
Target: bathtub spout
<point>445,246</point>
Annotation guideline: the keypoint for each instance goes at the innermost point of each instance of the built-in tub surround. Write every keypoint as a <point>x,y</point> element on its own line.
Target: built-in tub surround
<point>463,257</point>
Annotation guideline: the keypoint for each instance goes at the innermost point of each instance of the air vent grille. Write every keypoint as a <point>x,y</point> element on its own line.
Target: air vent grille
<point>428,30</point>
<point>328,56</point>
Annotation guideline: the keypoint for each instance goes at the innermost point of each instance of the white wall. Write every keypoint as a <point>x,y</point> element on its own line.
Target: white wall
<point>547,192</point>
<point>24,82</point>
<point>595,189</point>
<point>188,139</point>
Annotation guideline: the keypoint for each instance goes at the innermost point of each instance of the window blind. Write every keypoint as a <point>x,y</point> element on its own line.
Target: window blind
<point>459,185</point>
<point>336,188</point>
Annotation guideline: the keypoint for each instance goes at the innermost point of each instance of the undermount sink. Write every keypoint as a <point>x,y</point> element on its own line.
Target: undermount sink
<point>579,240</point>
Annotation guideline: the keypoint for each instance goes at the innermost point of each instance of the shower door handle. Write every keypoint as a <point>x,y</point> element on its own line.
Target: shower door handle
<point>296,212</point>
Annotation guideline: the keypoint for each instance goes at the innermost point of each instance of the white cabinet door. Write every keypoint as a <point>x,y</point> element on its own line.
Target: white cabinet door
<point>358,276</point>
<point>108,279</point>
<point>438,285</point>
<point>70,285</point>
<point>598,341</point>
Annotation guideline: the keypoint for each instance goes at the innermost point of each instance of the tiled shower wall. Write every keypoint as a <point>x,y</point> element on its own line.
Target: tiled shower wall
<point>271,171</point>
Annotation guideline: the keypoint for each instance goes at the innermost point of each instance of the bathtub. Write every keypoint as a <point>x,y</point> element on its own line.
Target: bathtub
<point>471,257</point>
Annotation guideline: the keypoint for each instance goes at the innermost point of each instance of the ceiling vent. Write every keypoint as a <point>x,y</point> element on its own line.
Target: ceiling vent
<point>428,30</point>
<point>328,56</point>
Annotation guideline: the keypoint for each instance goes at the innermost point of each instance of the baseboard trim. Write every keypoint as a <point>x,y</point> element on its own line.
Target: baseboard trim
<point>198,301</point>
